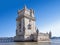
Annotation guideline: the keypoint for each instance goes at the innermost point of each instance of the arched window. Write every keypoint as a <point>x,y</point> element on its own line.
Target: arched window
<point>20,25</point>
<point>29,26</point>
<point>19,30</point>
<point>23,28</point>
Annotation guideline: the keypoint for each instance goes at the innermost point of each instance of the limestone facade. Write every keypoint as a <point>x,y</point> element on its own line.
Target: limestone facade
<point>26,28</point>
<point>43,37</point>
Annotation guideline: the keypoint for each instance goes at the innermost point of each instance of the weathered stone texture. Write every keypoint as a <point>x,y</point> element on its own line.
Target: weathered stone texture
<point>26,29</point>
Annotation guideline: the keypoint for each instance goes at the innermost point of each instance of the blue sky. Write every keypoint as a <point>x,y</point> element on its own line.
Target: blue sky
<point>47,14</point>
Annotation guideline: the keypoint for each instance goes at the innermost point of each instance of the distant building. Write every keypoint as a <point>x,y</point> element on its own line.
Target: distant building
<point>26,28</point>
<point>6,39</point>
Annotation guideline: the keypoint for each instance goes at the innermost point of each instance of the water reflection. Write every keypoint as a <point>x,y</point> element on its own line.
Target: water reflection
<point>44,43</point>
<point>31,43</point>
<point>28,43</point>
<point>53,42</point>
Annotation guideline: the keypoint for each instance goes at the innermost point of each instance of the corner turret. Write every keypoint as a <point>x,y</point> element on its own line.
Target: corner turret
<point>50,34</point>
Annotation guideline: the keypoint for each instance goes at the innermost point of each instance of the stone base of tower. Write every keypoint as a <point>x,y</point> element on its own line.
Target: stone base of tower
<point>24,39</point>
<point>29,40</point>
<point>41,37</point>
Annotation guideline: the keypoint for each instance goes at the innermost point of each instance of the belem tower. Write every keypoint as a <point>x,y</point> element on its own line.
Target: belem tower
<point>26,29</point>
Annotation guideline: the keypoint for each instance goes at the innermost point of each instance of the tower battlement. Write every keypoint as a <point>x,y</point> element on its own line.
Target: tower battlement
<point>26,11</point>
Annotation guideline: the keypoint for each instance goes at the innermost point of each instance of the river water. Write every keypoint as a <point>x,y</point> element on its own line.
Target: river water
<point>53,42</point>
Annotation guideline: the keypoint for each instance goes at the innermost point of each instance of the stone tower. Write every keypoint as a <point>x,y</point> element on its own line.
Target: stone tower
<point>25,25</point>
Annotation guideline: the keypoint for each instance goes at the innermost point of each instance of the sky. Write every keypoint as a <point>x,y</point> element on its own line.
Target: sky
<point>47,14</point>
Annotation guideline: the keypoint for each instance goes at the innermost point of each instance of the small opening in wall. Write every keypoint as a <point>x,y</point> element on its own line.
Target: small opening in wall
<point>19,30</point>
<point>29,26</point>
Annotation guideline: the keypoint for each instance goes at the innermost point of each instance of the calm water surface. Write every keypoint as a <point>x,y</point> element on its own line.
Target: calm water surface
<point>53,42</point>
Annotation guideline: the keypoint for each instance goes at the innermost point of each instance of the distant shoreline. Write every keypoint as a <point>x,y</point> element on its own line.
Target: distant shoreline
<point>55,38</point>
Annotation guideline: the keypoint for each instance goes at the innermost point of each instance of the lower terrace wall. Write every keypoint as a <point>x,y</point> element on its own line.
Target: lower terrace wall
<point>43,37</point>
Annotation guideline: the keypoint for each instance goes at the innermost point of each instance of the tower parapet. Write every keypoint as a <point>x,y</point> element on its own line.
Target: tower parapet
<point>25,12</point>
